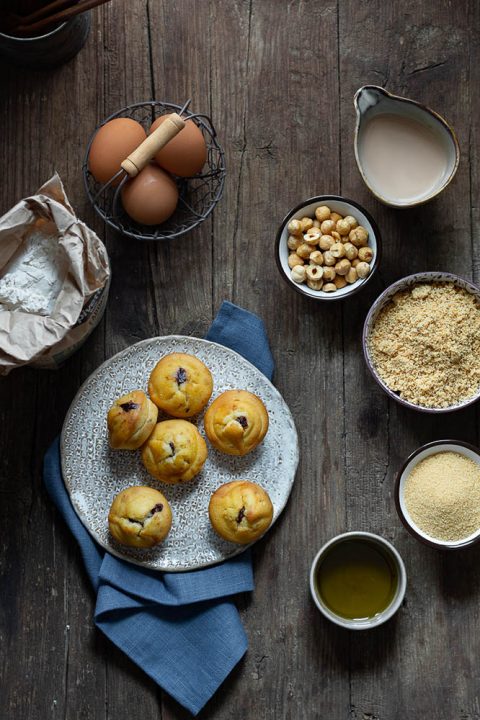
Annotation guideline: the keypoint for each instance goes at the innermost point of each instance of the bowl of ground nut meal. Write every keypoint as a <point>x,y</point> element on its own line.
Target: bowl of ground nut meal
<point>421,341</point>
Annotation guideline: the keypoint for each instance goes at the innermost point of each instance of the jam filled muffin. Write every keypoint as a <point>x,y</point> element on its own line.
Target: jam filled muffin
<point>236,422</point>
<point>140,517</point>
<point>131,420</point>
<point>240,511</point>
<point>175,452</point>
<point>181,385</point>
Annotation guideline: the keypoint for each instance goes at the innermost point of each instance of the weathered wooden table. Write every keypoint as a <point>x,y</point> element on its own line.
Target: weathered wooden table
<point>278,80</point>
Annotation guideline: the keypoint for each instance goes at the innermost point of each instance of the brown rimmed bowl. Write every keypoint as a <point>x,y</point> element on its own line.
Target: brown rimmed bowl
<point>407,283</point>
<point>469,451</point>
<point>344,207</point>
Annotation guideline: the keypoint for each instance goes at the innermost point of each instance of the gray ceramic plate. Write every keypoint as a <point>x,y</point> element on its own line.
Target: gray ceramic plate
<point>94,473</point>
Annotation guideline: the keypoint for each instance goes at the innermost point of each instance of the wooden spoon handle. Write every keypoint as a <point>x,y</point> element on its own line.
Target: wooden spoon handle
<point>60,16</point>
<point>56,6</point>
<point>140,157</point>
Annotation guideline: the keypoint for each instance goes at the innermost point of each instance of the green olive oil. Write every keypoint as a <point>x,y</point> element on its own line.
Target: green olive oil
<point>356,579</point>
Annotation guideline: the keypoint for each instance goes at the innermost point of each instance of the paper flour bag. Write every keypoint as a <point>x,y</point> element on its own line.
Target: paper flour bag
<point>54,280</point>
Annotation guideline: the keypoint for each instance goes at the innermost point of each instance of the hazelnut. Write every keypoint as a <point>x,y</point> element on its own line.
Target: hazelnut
<point>314,272</point>
<point>355,262</point>
<point>339,282</point>
<point>363,269</point>
<point>351,251</point>
<point>306,223</point>
<point>304,250</point>
<point>312,236</point>
<point>343,227</point>
<point>316,223</point>
<point>338,250</point>
<point>327,226</point>
<point>314,284</point>
<point>342,267</point>
<point>365,254</point>
<point>316,257</point>
<point>293,260</point>
<point>298,274</point>
<point>326,242</point>
<point>336,236</point>
<point>335,217</point>
<point>329,287</point>
<point>328,274</point>
<point>322,213</point>
<point>351,276</point>
<point>358,236</point>
<point>294,227</point>
<point>328,258</point>
<point>294,241</point>
<point>351,221</point>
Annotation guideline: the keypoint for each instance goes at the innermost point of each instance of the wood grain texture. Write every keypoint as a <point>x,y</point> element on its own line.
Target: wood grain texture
<point>278,79</point>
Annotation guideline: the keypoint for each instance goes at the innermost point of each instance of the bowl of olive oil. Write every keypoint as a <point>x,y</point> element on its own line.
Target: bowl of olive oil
<point>358,580</point>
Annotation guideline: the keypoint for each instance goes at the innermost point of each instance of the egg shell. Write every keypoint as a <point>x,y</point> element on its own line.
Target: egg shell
<point>151,197</point>
<point>112,143</point>
<point>184,155</point>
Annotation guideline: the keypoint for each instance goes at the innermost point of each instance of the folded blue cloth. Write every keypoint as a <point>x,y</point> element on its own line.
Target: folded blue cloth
<point>180,628</point>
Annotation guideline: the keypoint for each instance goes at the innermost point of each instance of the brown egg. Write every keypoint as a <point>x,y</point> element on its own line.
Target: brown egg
<point>186,153</point>
<point>151,197</point>
<point>113,142</point>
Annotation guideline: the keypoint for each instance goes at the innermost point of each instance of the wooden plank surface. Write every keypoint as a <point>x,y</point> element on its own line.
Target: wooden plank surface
<point>278,80</point>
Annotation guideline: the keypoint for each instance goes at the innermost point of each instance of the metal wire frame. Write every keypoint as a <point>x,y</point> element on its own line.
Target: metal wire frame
<point>198,195</point>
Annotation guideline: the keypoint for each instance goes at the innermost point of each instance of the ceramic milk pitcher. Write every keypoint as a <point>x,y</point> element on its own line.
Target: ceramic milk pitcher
<point>406,153</point>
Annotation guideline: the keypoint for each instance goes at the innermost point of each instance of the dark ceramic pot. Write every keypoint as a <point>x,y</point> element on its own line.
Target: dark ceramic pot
<point>48,50</point>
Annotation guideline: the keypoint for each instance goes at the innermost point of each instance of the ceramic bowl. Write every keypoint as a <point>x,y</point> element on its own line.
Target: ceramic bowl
<point>380,618</point>
<point>344,207</point>
<point>371,101</point>
<point>405,284</point>
<point>420,454</point>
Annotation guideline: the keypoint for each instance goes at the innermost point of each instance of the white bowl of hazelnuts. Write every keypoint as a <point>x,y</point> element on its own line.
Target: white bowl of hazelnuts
<point>328,248</point>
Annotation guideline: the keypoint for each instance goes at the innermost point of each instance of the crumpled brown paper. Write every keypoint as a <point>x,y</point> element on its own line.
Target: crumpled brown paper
<point>46,341</point>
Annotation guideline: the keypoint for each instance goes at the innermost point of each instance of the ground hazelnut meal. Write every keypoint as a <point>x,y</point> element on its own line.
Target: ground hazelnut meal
<point>442,496</point>
<point>425,345</point>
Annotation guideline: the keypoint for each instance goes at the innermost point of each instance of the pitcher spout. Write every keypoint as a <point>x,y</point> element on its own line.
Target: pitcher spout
<point>367,97</point>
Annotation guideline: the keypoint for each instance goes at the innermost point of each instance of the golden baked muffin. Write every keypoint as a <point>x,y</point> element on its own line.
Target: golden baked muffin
<point>131,420</point>
<point>180,384</point>
<point>240,511</point>
<point>140,517</point>
<point>175,452</point>
<point>236,422</point>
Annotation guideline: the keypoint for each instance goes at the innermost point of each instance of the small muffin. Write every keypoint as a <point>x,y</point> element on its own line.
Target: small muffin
<point>236,422</point>
<point>180,384</point>
<point>140,517</point>
<point>240,511</point>
<point>131,420</point>
<point>175,452</point>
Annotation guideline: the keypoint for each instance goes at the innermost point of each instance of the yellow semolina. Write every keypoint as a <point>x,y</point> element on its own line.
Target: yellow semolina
<point>442,496</point>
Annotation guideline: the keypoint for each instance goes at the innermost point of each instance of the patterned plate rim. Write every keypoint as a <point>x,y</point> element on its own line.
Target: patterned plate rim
<point>63,451</point>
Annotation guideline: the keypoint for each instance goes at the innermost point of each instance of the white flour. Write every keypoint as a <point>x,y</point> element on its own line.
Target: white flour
<point>33,279</point>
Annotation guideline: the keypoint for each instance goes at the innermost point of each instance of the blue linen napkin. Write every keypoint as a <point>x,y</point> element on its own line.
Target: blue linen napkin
<point>180,628</point>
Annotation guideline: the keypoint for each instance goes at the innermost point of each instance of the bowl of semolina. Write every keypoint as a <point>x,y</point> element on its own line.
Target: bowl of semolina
<point>437,494</point>
<point>421,342</point>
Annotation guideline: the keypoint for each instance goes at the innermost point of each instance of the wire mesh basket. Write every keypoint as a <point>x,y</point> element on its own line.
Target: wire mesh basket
<point>198,195</point>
